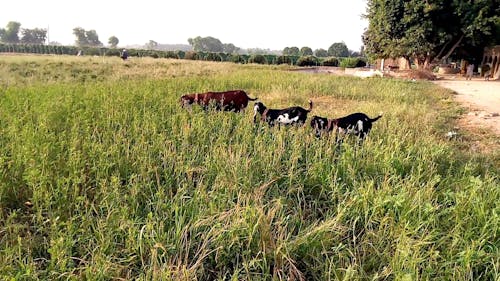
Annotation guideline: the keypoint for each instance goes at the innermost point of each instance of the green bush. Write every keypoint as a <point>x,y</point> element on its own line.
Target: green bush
<point>284,60</point>
<point>237,58</point>
<point>191,55</point>
<point>331,61</point>
<point>259,59</point>
<point>213,57</point>
<point>352,62</point>
<point>307,61</point>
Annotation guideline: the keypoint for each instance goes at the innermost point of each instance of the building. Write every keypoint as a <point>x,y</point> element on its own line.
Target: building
<point>491,57</point>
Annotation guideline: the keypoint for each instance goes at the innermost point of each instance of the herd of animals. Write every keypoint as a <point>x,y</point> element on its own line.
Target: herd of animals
<point>358,124</point>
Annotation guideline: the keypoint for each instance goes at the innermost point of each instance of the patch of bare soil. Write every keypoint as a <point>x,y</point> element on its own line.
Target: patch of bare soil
<point>412,74</point>
<point>481,99</point>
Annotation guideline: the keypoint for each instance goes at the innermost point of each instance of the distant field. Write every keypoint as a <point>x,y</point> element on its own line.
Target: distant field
<point>104,177</point>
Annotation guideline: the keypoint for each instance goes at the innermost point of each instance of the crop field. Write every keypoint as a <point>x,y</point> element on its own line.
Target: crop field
<point>103,176</point>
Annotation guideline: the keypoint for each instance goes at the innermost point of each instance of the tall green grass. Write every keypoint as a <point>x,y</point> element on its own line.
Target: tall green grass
<point>125,184</point>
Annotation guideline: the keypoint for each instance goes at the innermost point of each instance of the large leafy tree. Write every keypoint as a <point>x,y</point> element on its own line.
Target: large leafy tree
<point>10,34</point>
<point>113,41</point>
<point>321,53</point>
<point>86,37</point>
<point>151,45</point>
<point>306,51</point>
<point>291,51</point>
<point>33,36</point>
<point>338,50</point>
<point>206,44</point>
<point>430,30</point>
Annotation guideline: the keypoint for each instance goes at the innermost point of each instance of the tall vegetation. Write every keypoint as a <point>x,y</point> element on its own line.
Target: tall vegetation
<point>427,31</point>
<point>86,38</point>
<point>104,176</point>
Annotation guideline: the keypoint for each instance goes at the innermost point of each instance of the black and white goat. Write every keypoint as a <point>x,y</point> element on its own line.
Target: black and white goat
<point>358,124</point>
<point>288,116</point>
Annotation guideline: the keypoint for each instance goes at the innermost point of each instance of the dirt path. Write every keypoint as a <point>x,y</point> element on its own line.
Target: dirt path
<point>481,98</point>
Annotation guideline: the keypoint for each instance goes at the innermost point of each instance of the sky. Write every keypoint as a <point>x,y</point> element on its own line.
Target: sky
<point>264,24</point>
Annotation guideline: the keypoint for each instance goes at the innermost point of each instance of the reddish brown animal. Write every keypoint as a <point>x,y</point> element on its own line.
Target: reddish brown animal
<point>234,100</point>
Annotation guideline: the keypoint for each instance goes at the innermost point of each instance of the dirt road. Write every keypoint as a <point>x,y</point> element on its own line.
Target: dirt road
<point>482,98</point>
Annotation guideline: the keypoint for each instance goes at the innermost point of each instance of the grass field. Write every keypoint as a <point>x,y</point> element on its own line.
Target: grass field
<point>104,177</point>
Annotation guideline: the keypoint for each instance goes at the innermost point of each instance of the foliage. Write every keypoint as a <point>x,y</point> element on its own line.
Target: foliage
<point>113,41</point>
<point>338,50</point>
<point>236,58</point>
<point>284,60</point>
<point>213,57</point>
<point>10,34</point>
<point>307,61</point>
<point>291,51</point>
<point>259,59</point>
<point>321,53</point>
<point>151,45</point>
<point>428,30</point>
<point>206,44</point>
<point>331,61</point>
<point>230,48</point>
<point>86,38</point>
<point>190,55</point>
<point>33,36</point>
<point>352,62</point>
<point>306,51</point>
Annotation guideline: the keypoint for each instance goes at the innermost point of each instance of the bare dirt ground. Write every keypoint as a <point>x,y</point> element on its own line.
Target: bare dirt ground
<point>481,122</point>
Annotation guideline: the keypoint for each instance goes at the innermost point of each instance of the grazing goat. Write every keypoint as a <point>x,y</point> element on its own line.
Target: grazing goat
<point>358,124</point>
<point>234,100</point>
<point>287,116</point>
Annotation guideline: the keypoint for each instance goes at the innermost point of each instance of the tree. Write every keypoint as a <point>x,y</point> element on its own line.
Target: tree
<point>86,37</point>
<point>206,44</point>
<point>151,45</point>
<point>428,31</point>
<point>291,51</point>
<point>11,33</point>
<point>306,51</point>
<point>93,38</point>
<point>338,50</point>
<point>81,39</point>
<point>321,53</point>
<point>33,36</point>
<point>230,48</point>
<point>113,41</point>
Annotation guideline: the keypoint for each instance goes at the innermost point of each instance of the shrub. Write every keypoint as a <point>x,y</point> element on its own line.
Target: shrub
<point>191,55</point>
<point>307,61</point>
<point>213,57</point>
<point>237,58</point>
<point>260,59</point>
<point>171,55</point>
<point>331,61</point>
<point>352,62</point>
<point>284,60</point>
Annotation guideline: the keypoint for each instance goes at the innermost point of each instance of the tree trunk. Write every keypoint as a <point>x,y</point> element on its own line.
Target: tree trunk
<point>453,48</point>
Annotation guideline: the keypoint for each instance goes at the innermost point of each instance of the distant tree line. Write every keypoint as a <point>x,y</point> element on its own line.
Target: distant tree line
<point>308,60</point>
<point>10,34</point>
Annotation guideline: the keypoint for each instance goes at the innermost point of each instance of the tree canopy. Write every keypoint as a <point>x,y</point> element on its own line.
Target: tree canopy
<point>86,37</point>
<point>10,34</point>
<point>33,36</point>
<point>113,41</point>
<point>338,50</point>
<point>429,30</point>
<point>306,51</point>
<point>206,44</point>
<point>291,51</point>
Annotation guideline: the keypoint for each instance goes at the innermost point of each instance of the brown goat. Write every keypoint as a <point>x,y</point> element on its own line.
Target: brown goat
<point>234,100</point>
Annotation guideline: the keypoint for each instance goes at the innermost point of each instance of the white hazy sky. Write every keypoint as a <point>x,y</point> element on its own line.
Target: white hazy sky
<point>247,24</point>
